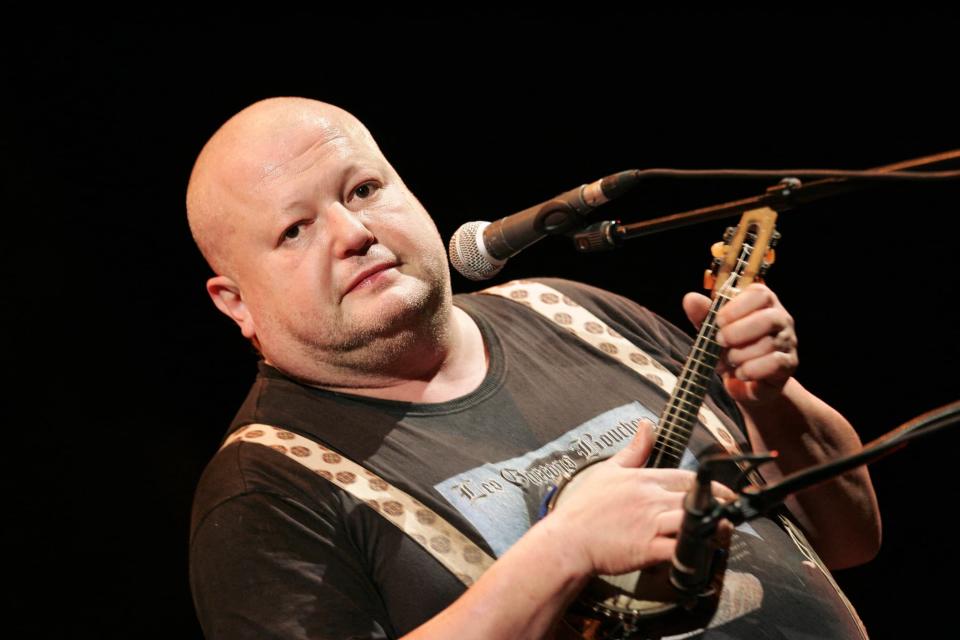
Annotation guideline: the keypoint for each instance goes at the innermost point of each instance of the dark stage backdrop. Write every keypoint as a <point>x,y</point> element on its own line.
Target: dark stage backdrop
<point>125,376</point>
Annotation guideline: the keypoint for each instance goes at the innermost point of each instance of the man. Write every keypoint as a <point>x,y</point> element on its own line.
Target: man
<point>337,274</point>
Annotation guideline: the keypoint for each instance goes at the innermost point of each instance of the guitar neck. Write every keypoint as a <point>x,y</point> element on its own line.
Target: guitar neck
<point>744,257</point>
<point>683,408</point>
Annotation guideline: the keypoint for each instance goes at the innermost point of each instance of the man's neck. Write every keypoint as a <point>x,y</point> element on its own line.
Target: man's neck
<point>430,371</point>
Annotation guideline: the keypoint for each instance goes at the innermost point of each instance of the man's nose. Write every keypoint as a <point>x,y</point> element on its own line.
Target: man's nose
<point>349,236</point>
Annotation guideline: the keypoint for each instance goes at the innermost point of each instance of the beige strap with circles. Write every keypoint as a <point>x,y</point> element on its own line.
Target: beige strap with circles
<point>566,313</point>
<point>453,549</point>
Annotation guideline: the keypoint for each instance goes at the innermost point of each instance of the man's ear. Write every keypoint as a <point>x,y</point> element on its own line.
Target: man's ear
<point>227,297</point>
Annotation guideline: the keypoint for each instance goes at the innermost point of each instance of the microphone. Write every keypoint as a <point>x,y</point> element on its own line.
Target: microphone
<point>478,250</point>
<point>694,559</point>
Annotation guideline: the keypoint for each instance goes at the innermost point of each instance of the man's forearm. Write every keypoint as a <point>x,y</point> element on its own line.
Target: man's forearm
<point>520,596</point>
<point>841,517</point>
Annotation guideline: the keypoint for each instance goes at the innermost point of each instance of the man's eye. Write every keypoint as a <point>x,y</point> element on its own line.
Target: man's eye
<point>366,190</point>
<point>292,231</point>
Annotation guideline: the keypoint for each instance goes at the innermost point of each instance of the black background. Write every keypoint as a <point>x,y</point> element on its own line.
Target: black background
<point>126,375</point>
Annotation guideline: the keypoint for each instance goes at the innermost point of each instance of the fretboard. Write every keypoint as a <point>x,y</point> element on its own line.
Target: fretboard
<point>682,410</point>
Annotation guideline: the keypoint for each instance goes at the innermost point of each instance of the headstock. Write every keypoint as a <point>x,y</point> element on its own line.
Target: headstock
<point>746,253</point>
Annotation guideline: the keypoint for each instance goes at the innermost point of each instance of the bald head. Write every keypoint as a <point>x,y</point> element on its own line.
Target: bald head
<point>241,157</point>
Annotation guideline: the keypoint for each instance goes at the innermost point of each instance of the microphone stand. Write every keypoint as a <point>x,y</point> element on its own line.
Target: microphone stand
<point>693,565</point>
<point>787,194</point>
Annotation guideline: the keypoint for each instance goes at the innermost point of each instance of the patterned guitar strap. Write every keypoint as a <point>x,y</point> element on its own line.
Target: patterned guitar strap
<point>444,542</point>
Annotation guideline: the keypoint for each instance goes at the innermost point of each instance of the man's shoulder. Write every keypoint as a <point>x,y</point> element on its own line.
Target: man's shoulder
<point>563,285</point>
<point>607,305</point>
<point>638,324</point>
<point>584,291</point>
<point>245,470</point>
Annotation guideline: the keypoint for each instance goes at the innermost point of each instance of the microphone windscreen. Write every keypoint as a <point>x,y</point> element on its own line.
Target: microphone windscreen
<point>468,255</point>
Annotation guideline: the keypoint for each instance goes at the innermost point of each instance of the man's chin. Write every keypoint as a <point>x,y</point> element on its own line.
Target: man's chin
<point>400,308</point>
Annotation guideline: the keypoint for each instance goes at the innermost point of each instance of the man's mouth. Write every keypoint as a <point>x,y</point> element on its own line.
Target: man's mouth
<point>368,275</point>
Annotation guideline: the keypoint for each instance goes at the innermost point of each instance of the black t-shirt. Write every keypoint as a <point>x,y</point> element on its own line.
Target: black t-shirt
<point>276,551</point>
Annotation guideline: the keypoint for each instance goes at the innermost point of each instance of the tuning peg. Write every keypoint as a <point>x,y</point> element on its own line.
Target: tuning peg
<point>729,234</point>
<point>709,279</point>
<point>774,239</point>
<point>718,250</point>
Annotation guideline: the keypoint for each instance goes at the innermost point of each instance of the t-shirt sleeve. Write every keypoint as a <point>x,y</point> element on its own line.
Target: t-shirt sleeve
<point>264,566</point>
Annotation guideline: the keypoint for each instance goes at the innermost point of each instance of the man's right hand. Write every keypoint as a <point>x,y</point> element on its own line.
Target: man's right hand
<point>623,516</point>
<point>620,517</point>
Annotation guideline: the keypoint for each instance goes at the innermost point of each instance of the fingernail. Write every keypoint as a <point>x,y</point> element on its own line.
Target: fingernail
<point>720,340</point>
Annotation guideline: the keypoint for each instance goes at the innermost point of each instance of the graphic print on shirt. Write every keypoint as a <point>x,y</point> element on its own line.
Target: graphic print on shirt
<point>502,499</point>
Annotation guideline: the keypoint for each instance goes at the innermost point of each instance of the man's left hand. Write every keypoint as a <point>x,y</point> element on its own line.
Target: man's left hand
<point>760,344</point>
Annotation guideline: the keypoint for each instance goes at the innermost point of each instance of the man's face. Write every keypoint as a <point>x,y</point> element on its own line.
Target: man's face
<point>333,250</point>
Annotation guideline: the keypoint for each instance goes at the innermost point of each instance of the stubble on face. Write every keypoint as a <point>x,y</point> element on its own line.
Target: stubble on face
<point>381,319</point>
